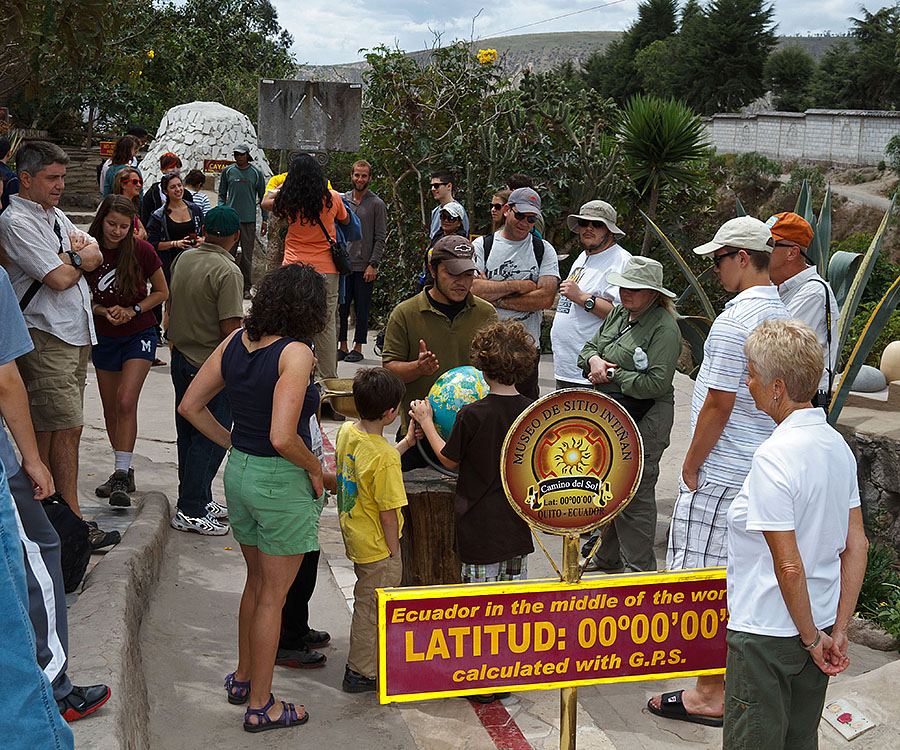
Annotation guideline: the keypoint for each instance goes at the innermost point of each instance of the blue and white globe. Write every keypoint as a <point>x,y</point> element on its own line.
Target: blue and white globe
<point>453,390</point>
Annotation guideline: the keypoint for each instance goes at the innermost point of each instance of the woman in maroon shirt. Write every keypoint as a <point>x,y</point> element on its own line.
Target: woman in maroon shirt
<point>126,333</point>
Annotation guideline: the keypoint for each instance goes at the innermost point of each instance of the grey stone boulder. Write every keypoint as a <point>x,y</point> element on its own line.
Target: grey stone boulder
<point>869,380</point>
<point>867,633</point>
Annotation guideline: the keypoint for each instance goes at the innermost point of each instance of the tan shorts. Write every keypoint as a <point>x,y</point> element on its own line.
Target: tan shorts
<point>54,373</point>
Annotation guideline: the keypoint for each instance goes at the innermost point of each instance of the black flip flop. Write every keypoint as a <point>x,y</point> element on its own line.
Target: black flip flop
<point>671,706</point>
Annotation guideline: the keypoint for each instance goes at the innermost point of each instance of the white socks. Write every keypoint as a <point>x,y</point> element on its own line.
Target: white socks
<point>123,460</point>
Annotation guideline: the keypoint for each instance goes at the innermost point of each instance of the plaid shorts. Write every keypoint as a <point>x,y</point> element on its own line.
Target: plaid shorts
<point>514,569</point>
<point>698,537</point>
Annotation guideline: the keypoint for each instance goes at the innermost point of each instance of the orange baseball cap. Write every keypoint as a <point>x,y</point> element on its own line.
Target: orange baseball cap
<point>790,227</point>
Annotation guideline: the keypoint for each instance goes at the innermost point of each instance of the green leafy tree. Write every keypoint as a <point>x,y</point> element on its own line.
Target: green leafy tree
<point>835,84</point>
<point>788,74</point>
<point>654,68</point>
<point>723,53</point>
<point>663,143</point>
<point>877,38</point>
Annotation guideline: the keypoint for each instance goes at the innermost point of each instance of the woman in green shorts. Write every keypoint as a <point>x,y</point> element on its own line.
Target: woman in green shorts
<point>273,482</point>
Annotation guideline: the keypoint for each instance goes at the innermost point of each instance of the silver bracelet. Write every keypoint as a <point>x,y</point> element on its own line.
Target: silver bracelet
<point>812,645</point>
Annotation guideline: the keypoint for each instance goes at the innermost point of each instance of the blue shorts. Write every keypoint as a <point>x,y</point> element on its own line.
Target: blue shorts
<point>111,351</point>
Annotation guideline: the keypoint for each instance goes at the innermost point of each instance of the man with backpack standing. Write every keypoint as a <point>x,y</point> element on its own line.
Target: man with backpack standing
<point>518,272</point>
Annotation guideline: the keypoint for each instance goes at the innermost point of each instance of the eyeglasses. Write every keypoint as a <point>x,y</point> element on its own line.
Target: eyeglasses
<point>594,224</point>
<point>135,180</point>
<point>447,216</point>
<point>530,218</point>
<point>435,185</point>
<point>717,259</point>
<point>496,206</point>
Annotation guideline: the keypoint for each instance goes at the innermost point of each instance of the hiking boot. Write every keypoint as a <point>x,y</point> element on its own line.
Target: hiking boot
<point>354,682</point>
<point>214,510</point>
<point>83,701</point>
<point>205,525</point>
<point>99,538</point>
<point>299,658</point>
<point>104,489</point>
<point>118,489</point>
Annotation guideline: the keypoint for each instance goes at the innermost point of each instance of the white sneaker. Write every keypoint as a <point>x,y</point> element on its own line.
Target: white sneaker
<point>216,510</point>
<point>206,525</point>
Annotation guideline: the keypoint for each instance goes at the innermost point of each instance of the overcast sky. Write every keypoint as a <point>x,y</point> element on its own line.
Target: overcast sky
<point>329,32</point>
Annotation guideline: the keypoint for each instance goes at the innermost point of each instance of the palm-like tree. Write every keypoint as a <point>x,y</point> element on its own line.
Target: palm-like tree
<point>661,140</point>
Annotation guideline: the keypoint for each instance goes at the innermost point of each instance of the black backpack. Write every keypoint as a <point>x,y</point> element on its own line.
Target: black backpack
<point>74,541</point>
<point>537,245</point>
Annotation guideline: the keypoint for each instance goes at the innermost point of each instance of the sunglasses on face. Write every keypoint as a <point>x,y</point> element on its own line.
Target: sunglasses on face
<point>135,180</point>
<point>496,206</point>
<point>717,259</point>
<point>435,185</point>
<point>448,217</point>
<point>530,218</point>
<point>589,222</point>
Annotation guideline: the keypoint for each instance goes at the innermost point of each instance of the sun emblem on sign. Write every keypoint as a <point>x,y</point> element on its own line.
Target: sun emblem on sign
<point>569,450</point>
<point>573,456</point>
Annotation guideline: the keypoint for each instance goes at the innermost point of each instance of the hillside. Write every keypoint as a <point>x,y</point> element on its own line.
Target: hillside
<point>541,52</point>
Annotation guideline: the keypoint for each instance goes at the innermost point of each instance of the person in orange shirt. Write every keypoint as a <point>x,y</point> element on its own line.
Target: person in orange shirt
<point>310,209</point>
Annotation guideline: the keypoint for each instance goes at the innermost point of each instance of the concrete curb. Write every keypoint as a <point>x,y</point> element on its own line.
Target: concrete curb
<point>104,630</point>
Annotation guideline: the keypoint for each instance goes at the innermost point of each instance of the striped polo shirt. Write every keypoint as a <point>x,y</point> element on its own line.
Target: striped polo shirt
<point>724,368</point>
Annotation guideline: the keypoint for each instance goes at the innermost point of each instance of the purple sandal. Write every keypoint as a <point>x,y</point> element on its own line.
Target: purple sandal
<point>238,692</point>
<point>288,718</point>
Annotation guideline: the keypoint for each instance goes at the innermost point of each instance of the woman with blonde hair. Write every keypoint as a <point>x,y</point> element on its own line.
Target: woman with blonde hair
<point>796,552</point>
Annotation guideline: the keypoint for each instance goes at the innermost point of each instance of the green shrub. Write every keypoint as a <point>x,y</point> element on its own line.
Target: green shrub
<point>881,166</point>
<point>892,152</point>
<point>880,570</point>
<point>890,333</point>
<point>753,170</point>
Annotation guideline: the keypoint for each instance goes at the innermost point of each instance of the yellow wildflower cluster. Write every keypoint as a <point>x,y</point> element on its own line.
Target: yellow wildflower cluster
<point>486,56</point>
<point>151,54</point>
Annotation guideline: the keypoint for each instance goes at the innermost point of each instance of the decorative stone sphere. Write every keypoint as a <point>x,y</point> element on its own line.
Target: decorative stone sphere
<point>198,131</point>
<point>890,362</point>
<point>869,380</point>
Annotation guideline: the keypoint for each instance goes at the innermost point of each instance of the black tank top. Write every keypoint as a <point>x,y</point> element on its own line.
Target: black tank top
<point>250,379</point>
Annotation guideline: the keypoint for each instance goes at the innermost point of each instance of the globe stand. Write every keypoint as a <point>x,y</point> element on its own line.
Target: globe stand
<point>436,466</point>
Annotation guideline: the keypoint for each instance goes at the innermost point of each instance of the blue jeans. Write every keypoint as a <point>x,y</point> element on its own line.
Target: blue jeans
<point>30,715</point>
<point>199,457</point>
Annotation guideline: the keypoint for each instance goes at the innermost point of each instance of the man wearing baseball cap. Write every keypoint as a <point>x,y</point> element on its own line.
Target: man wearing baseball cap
<point>431,333</point>
<point>806,294</point>
<point>518,272</point>
<point>586,297</point>
<point>205,305</point>
<point>727,428</point>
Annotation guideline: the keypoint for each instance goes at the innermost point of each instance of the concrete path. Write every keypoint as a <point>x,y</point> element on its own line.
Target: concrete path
<point>186,643</point>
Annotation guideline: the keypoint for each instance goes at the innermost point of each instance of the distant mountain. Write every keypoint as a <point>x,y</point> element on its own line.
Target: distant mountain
<point>542,52</point>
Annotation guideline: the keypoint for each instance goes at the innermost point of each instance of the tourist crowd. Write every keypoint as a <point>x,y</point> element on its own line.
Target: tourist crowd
<point>767,488</point>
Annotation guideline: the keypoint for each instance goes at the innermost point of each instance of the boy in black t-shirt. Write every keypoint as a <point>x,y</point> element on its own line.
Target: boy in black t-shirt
<point>492,540</point>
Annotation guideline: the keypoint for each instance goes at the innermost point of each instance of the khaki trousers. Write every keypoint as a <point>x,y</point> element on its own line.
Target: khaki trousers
<point>380,574</point>
<point>326,341</point>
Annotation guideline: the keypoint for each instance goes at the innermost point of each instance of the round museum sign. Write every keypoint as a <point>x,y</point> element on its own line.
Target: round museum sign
<point>571,461</point>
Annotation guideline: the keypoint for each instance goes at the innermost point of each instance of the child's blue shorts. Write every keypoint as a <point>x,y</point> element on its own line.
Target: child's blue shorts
<point>111,351</point>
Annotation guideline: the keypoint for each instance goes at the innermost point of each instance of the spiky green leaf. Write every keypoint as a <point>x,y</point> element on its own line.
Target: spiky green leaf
<point>854,294</point>
<point>842,269</point>
<point>738,207</point>
<point>874,326</point>
<point>692,280</point>
<point>694,330</point>
<point>822,237</point>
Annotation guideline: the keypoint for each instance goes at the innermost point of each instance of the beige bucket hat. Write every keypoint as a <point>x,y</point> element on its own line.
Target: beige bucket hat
<point>641,273</point>
<point>596,211</point>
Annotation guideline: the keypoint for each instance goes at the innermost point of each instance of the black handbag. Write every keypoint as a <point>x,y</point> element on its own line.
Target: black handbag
<point>339,253</point>
<point>636,407</point>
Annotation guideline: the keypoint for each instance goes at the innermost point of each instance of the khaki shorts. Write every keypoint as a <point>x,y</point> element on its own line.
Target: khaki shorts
<point>54,373</point>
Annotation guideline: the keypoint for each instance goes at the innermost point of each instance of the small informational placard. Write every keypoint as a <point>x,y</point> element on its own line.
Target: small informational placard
<point>846,718</point>
<point>441,641</point>
<point>107,148</point>
<point>215,166</point>
<point>571,461</point>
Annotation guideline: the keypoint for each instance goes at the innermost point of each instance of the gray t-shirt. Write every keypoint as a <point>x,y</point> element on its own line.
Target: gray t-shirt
<point>516,260</point>
<point>14,342</point>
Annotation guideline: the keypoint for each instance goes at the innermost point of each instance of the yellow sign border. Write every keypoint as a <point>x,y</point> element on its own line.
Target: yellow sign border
<point>419,593</point>
<point>575,530</point>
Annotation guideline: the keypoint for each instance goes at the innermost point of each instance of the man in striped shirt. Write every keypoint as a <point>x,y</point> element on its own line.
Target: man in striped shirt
<point>726,430</point>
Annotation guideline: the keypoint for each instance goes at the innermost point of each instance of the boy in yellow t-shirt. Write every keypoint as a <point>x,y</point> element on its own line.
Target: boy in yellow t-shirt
<point>370,494</point>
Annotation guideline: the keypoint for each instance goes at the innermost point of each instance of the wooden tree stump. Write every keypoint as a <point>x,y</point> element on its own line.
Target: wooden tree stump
<point>429,530</point>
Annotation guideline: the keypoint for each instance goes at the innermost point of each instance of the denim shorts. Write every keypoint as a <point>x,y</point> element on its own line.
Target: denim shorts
<point>271,504</point>
<point>110,352</point>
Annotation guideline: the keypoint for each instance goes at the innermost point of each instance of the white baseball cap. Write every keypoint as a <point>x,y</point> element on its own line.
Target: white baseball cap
<point>744,232</point>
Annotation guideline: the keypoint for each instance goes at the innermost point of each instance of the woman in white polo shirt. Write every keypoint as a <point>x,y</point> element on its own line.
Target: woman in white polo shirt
<point>796,552</point>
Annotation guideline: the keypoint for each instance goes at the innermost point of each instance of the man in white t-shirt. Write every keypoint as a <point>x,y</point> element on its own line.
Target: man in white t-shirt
<point>518,272</point>
<point>806,294</point>
<point>726,429</point>
<point>586,297</point>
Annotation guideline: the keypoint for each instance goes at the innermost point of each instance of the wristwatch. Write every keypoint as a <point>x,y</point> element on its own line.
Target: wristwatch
<point>137,309</point>
<point>75,258</point>
<point>589,303</point>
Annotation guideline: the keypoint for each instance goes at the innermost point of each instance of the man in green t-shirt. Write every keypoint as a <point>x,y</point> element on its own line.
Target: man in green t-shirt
<point>242,186</point>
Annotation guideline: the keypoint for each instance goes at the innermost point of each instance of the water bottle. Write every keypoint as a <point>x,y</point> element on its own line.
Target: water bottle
<point>640,359</point>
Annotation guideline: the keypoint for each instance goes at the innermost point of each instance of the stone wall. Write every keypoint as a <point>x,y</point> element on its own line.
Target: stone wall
<point>848,137</point>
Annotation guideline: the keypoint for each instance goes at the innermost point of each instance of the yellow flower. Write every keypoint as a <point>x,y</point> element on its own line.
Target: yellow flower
<point>486,56</point>
<point>151,54</point>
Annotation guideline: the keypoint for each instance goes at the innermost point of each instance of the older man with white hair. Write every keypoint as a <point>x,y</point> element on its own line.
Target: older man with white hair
<point>586,297</point>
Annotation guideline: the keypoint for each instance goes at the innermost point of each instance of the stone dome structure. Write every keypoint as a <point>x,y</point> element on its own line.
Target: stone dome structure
<point>198,131</point>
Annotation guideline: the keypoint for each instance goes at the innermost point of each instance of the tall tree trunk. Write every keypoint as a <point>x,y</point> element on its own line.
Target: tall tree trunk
<point>651,212</point>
